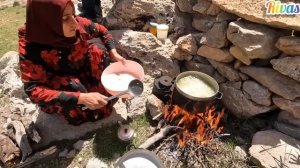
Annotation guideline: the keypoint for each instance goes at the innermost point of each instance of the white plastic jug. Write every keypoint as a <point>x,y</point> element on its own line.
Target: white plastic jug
<point>162,31</point>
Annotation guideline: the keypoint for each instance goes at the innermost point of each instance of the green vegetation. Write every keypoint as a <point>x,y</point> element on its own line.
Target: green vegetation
<point>10,20</point>
<point>103,144</point>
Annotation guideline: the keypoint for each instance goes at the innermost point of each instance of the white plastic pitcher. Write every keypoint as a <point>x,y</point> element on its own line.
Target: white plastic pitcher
<point>162,31</point>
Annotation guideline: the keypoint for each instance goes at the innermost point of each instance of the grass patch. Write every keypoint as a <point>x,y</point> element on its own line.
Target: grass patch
<point>10,20</point>
<point>103,144</point>
<point>142,128</point>
<point>107,145</point>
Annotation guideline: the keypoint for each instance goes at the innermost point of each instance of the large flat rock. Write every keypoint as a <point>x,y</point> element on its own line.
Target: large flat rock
<point>226,70</point>
<point>258,93</point>
<point>255,11</point>
<point>274,81</point>
<point>238,103</point>
<point>255,40</point>
<point>289,66</point>
<point>52,128</point>
<point>293,107</point>
<point>273,149</point>
<point>289,45</point>
<point>134,14</point>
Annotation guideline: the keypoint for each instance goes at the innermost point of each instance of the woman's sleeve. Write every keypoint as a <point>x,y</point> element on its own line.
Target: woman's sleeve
<point>96,30</point>
<point>35,80</point>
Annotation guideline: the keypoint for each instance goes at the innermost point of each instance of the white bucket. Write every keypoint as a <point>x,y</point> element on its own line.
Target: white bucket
<point>162,31</point>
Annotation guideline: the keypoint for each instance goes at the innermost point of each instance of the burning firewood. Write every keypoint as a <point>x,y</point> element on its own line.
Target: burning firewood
<point>204,124</point>
<point>163,133</point>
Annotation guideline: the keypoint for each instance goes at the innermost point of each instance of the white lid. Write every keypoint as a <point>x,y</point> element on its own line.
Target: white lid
<point>139,162</point>
<point>153,24</point>
<point>162,26</point>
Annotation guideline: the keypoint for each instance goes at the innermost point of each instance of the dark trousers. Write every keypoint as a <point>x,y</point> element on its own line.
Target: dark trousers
<point>92,9</point>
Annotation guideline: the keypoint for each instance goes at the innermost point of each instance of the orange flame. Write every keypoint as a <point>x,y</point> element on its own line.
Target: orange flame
<point>203,124</point>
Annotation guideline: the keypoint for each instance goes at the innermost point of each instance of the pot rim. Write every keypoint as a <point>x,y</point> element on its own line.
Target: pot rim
<point>210,80</point>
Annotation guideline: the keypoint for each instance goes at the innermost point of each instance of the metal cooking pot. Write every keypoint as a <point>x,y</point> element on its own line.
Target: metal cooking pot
<point>187,101</point>
<point>206,79</point>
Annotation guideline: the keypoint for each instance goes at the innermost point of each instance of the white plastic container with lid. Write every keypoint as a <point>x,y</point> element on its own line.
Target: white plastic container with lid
<point>162,31</point>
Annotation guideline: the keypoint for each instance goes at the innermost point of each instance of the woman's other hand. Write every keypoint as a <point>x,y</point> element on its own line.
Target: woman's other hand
<point>116,56</point>
<point>93,100</point>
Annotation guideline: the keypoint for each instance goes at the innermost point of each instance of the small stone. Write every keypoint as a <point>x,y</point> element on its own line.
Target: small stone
<point>241,151</point>
<point>78,145</point>
<point>203,23</point>
<point>237,64</point>
<point>80,160</point>
<point>213,10</point>
<point>96,163</point>
<point>221,55</point>
<point>179,54</point>
<point>202,6</point>
<point>226,70</point>
<point>243,76</point>
<point>238,54</point>
<point>64,153</point>
<point>71,154</point>
<point>154,105</point>
<point>187,44</point>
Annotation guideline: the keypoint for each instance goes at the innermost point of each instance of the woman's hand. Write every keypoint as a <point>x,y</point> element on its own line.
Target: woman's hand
<point>92,100</point>
<point>116,56</point>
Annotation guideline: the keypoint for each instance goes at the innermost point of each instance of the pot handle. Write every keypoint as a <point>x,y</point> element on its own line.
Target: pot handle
<point>219,96</point>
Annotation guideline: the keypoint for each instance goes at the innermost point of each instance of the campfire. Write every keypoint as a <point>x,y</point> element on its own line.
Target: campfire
<point>199,125</point>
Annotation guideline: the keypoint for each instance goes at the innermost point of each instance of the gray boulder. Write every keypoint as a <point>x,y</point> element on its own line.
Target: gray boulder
<point>256,41</point>
<point>272,149</point>
<point>289,66</point>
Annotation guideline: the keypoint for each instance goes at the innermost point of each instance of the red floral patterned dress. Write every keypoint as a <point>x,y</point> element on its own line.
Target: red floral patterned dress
<point>54,77</point>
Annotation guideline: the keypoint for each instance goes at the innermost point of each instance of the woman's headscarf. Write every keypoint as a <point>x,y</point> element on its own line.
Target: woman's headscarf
<point>44,23</point>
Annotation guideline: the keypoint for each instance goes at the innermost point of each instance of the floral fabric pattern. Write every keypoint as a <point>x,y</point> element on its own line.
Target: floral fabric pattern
<point>54,77</point>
